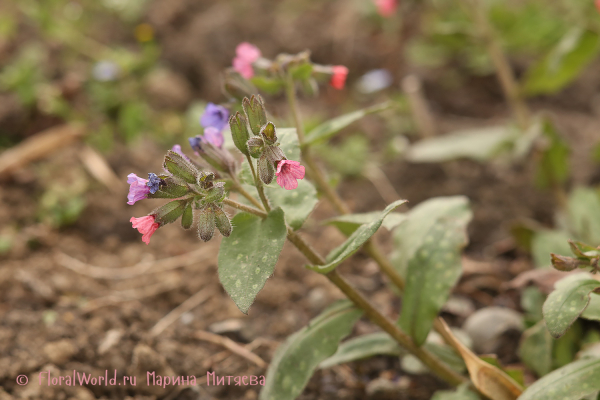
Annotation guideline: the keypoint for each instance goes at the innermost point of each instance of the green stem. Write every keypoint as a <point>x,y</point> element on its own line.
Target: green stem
<point>427,358</point>
<point>240,189</point>
<point>259,186</point>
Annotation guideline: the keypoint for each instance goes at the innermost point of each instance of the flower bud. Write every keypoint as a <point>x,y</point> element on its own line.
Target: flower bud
<point>216,194</point>
<point>180,167</point>
<point>255,146</point>
<point>239,132</point>
<point>563,263</point>
<point>222,221</point>
<point>255,111</point>
<point>170,212</point>
<point>266,170</point>
<point>206,223</point>
<point>187,218</point>
<point>268,132</point>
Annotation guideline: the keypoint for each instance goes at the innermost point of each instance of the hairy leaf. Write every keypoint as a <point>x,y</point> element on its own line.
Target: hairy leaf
<point>535,349</point>
<point>248,256</point>
<point>364,346</point>
<point>296,359</point>
<point>297,204</point>
<point>348,223</point>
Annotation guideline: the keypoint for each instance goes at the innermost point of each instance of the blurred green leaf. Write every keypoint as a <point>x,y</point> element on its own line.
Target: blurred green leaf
<point>461,393</point>
<point>565,304</point>
<point>133,117</point>
<point>349,158</point>
<point>553,166</point>
<point>365,346</point>
<point>247,258</point>
<point>535,349</point>
<point>329,128</point>
<point>549,241</point>
<point>564,63</point>
<point>297,358</point>
<point>302,72</point>
<point>478,144</point>
<point>432,273</point>
<point>571,382</point>
<point>410,235</point>
<point>355,241</point>
<point>584,214</point>
<point>267,85</point>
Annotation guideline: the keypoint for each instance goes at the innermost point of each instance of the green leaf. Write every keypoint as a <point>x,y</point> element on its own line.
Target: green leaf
<point>296,204</point>
<point>365,346</point>
<point>288,142</point>
<point>348,223</point>
<point>247,258</point>
<point>180,167</point>
<point>355,241</point>
<point>410,235</point>
<point>570,56</point>
<point>535,349</point>
<point>302,72</point>
<point>297,358</point>
<point>478,144</point>
<point>548,241</point>
<point>568,300</point>
<point>333,126</point>
<point>553,165</point>
<point>187,219</point>
<point>461,393</point>
<point>431,275</point>
<point>584,214</point>
<point>267,85</point>
<point>571,382</point>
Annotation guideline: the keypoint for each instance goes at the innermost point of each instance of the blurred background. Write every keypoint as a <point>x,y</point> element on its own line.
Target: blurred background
<point>91,91</point>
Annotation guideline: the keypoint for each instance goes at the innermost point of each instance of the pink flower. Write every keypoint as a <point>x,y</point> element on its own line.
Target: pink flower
<point>598,5</point>
<point>146,226</point>
<point>287,173</point>
<point>245,55</point>
<point>138,189</point>
<point>386,8</point>
<point>338,79</point>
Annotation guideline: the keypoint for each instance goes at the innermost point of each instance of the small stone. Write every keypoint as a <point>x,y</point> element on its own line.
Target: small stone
<point>60,352</point>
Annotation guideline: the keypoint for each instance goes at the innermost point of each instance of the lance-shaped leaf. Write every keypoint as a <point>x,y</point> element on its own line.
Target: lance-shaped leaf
<point>431,274</point>
<point>576,50</point>
<point>411,234</point>
<point>296,359</point>
<point>297,204</point>
<point>477,144</point>
<point>535,349</point>
<point>355,241</point>
<point>350,222</point>
<point>571,382</point>
<point>248,256</point>
<point>333,126</point>
<point>565,304</point>
<point>373,344</point>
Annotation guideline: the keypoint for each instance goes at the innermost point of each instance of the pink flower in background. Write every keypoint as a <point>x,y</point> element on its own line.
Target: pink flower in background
<point>245,55</point>
<point>287,173</point>
<point>386,8</point>
<point>146,226</point>
<point>598,5</point>
<point>338,79</point>
<point>138,189</point>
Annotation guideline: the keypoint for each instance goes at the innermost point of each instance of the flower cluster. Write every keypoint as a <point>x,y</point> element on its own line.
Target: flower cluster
<point>245,55</point>
<point>386,8</point>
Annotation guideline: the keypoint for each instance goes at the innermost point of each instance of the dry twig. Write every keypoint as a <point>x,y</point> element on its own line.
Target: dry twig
<point>232,346</point>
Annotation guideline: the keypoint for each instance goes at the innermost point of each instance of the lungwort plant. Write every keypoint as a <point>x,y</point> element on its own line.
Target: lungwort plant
<point>259,190</point>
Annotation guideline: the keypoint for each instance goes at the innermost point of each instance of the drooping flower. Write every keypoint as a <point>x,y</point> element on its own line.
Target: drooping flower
<point>386,8</point>
<point>138,190</point>
<point>153,182</point>
<point>216,116</point>
<point>338,79</point>
<point>288,172</point>
<point>246,54</point>
<point>146,226</point>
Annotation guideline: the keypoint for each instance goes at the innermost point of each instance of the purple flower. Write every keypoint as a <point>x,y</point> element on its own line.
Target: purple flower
<point>138,190</point>
<point>215,116</point>
<point>211,135</point>
<point>153,182</point>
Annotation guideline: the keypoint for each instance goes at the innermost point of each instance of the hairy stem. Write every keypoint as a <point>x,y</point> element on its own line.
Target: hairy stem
<point>240,189</point>
<point>259,186</point>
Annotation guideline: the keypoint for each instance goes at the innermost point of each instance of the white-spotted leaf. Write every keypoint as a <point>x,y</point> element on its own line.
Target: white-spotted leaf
<point>364,346</point>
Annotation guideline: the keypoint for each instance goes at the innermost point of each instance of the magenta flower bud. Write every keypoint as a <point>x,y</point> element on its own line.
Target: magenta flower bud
<point>146,226</point>
<point>138,189</point>
<point>288,172</point>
